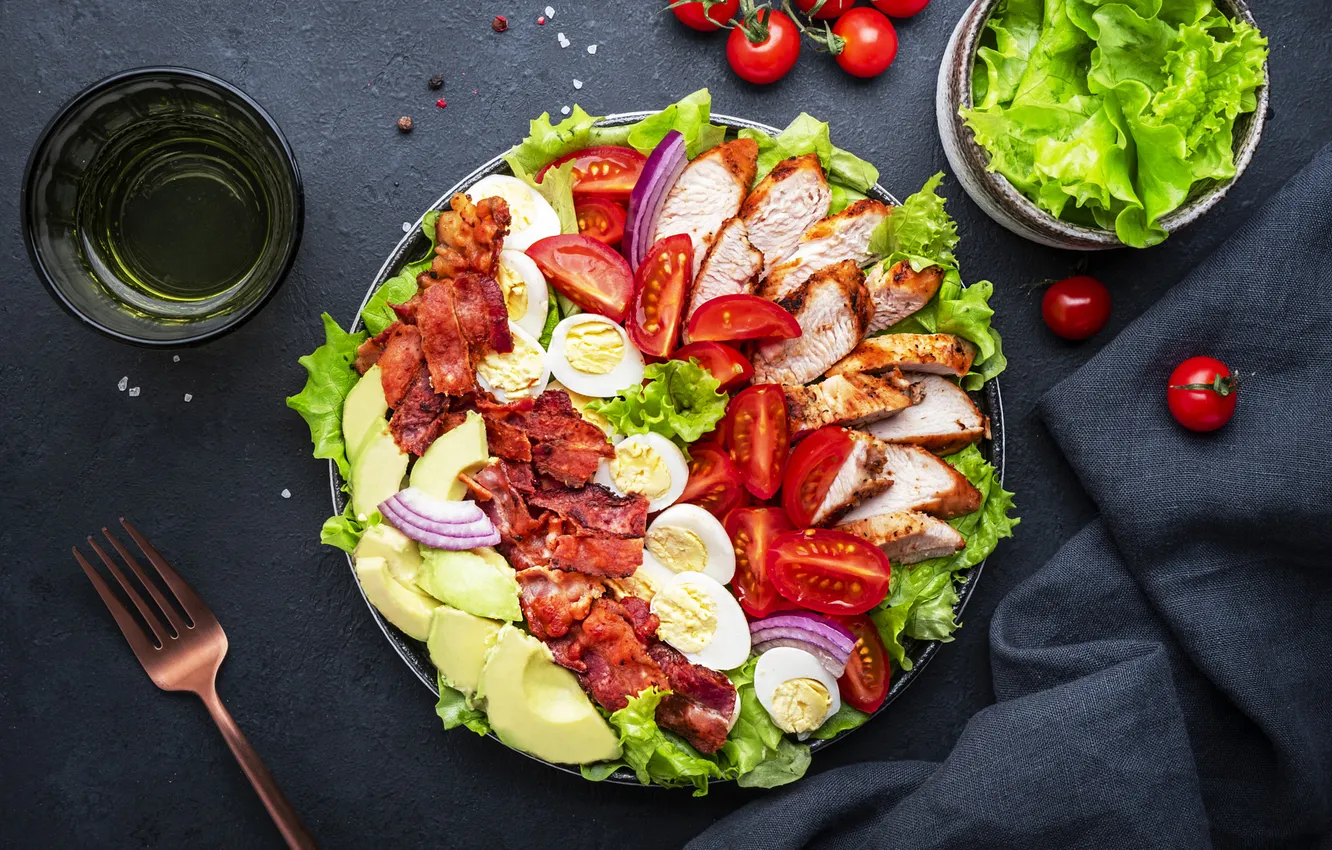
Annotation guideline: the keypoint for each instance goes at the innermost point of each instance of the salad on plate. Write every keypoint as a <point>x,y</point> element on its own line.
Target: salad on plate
<point>665,449</point>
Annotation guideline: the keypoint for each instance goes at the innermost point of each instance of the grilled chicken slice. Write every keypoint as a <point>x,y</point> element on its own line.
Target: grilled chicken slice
<point>861,476</point>
<point>833,309</point>
<point>908,537</point>
<point>732,267</point>
<point>784,205</point>
<point>921,482</point>
<point>850,400</point>
<point>844,236</point>
<point>945,420</point>
<point>938,354</point>
<point>709,191</point>
<point>899,291</point>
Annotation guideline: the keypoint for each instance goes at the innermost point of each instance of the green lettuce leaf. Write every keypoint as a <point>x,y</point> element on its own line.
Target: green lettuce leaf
<point>455,710</point>
<point>787,764</point>
<point>344,530</point>
<point>680,400</point>
<point>398,289</point>
<point>921,598</point>
<point>845,718</point>
<point>920,229</point>
<point>556,187</point>
<point>330,378</point>
<point>654,755</point>
<point>756,753</point>
<point>552,317</point>
<point>848,175</point>
<point>691,117</point>
<point>546,142</point>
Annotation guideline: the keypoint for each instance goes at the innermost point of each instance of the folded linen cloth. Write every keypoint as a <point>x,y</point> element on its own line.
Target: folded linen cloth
<point>1166,680</point>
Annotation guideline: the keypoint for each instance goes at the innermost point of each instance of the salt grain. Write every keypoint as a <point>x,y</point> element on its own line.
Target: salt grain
<point>124,382</point>
<point>406,227</point>
<point>550,11</point>
<point>188,397</point>
<point>134,392</point>
<point>175,358</point>
<point>578,84</point>
<point>564,110</point>
<point>592,48</point>
<point>286,494</point>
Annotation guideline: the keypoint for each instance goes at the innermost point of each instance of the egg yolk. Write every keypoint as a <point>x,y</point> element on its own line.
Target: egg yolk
<point>800,705</point>
<point>515,291</point>
<point>638,468</point>
<point>516,373</point>
<point>680,549</point>
<point>580,401</point>
<point>687,615</point>
<point>594,347</point>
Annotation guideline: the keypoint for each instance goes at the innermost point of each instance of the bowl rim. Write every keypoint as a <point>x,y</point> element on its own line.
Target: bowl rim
<point>79,98</point>
<point>969,33</point>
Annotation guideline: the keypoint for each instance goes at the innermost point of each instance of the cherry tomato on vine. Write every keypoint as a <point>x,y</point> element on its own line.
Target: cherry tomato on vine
<point>600,218</point>
<point>828,11</point>
<point>900,8</point>
<point>771,52</point>
<point>1076,307</point>
<point>864,685</point>
<point>1201,394</point>
<point>870,42</point>
<point>718,12</point>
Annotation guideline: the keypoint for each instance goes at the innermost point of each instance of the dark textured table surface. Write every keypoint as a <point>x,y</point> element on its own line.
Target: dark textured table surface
<point>91,754</point>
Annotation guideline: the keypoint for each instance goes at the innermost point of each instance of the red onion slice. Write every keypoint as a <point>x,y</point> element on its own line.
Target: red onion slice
<point>464,534</point>
<point>833,633</point>
<point>806,638</point>
<point>664,166</point>
<point>420,503</point>
<point>832,664</point>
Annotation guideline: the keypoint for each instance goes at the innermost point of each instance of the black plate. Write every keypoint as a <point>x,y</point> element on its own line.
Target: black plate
<point>415,244</point>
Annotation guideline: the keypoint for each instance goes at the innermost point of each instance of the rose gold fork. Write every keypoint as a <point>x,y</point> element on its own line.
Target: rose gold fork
<point>186,658</point>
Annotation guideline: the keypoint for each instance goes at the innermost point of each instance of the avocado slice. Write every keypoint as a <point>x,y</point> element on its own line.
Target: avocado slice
<point>408,609</point>
<point>478,581</point>
<point>458,643</point>
<point>461,450</point>
<point>363,411</point>
<point>536,706</point>
<point>377,471</point>
<point>398,550</point>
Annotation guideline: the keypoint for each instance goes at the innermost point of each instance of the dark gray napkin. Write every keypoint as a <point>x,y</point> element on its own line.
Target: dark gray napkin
<point>1166,680</point>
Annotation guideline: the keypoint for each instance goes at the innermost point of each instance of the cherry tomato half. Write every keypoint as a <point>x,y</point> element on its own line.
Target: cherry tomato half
<point>717,14</point>
<point>829,571</point>
<point>1076,307</point>
<point>829,10</point>
<point>752,531</point>
<point>588,273</point>
<point>871,42</point>
<point>733,317</point>
<point>757,438</point>
<point>900,8</point>
<point>714,482</point>
<point>725,363</point>
<point>810,471</point>
<point>600,218</point>
<point>1201,394</point>
<point>607,170</point>
<point>864,685</point>
<point>660,287</point>
<point>769,60</point>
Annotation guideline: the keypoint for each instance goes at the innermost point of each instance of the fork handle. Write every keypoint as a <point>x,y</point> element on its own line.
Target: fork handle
<point>279,807</point>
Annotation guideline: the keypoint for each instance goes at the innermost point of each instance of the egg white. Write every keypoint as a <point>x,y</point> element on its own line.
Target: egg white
<point>676,466</point>
<point>720,563</point>
<point>627,373</point>
<point>730,643</point>
<point>784,663</point>
<point>533,319</point>
<point>531,216</point>
<point>501,395</point>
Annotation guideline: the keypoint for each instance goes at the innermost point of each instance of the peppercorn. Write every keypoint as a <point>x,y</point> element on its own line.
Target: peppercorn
<point>436,81</point>
<point>405,123</point>
<point>500,24</point>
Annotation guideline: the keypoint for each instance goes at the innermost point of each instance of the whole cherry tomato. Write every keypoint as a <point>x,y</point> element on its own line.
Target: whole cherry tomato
<point>707,16</point>
<point>765,49</point>
<point>1076,307</point>
<point>828,11</point>
<point>869,42</point>
<point>1201,394</point>
<point>900,8</point>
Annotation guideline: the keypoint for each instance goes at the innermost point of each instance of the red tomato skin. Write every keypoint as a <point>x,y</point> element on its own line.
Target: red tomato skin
<point>1076,307</point>
<point>752,530</point>
<point>1200,410</point>
<point>900,8</point>
<point>739,317</point>
<point>871,42</point>
<point>830,10</point>
<point>723,362</point>
<point>869,661</point>
<point>692,15</point>
<point>874,575</point>
<point>770,60</point>
<point>714,482</point>
<point>757,437</point>
<point>654,317</point>
<point>810,471</point>
<point>627,162</point>
<point>588,273</point>
<point>615,216</point>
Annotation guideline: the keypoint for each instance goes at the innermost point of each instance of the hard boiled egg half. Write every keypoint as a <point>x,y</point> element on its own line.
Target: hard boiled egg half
<point>647,464</point>
<point>521,373</point>
<point>531,217</point>
<point>701,618</point>
<point>592,355</point>
<point>525,292</point>
<point>795,689</point>
<point>688,539</point>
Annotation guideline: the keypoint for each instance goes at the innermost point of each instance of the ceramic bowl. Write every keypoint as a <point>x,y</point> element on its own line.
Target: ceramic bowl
<point>1003,202</point>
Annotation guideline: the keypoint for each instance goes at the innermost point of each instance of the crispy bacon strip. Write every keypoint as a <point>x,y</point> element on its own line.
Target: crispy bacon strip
<point>507,508</point>
<point>597,554</point>
<point>607,652</point>
<point>422,416</point>
<point>553,600</point>
<point>702,701</point>
<point>469,237</point>
<point>400,362</point>
<point>596,508</point>
<point>369,352</point>
<point>507,440</point>
<point>445,349</point>
<point>482,314</point>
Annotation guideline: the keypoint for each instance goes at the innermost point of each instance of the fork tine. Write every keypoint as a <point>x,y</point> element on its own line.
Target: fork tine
<point>161,601</point>
<point>138,641</point>
<point>194,606</point>
<point>148,616</point>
